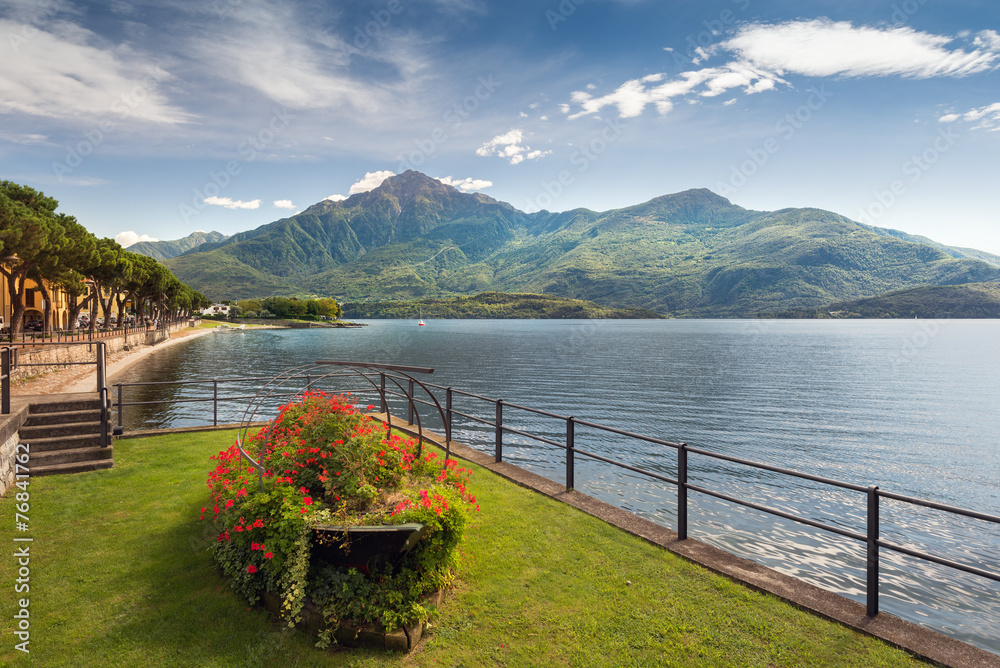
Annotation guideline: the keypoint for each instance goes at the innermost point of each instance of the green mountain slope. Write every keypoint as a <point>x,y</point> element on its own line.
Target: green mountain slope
<point>688,254</point>
<point>969,300</point>
<point>164,250</point>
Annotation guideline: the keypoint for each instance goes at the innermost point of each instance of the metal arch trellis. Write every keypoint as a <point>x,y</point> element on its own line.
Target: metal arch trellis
<point>362,369</point>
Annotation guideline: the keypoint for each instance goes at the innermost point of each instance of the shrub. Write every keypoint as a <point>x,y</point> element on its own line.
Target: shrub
<point>326,462</point>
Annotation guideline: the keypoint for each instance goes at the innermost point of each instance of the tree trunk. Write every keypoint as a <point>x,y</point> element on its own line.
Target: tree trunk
<point>15,290</point>
<point>74,309</point>
<point>47,311</point>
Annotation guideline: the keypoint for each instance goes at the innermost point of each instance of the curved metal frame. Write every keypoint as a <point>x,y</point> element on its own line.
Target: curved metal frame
<point>353,368</point>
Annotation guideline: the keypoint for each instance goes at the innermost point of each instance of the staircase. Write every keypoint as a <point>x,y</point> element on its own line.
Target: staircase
<point>65,437</point>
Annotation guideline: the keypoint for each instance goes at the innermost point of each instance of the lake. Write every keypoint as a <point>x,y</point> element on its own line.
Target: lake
<point>911,406</point>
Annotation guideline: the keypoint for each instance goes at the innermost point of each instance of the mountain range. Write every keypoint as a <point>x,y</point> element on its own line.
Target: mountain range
<point>164,250</point>
<point>693,253</point>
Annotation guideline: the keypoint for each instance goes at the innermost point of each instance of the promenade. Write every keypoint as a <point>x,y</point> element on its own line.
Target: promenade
<point>82,379</point>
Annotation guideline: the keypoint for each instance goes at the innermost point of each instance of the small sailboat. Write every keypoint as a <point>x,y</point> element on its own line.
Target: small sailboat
<point>420,321</point>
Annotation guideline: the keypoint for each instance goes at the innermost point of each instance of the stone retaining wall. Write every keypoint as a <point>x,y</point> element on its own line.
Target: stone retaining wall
<point>56,356</point>
<point>9,424</point>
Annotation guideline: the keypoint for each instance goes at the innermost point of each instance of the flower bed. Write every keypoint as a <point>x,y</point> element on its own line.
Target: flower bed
<point>329,464</point>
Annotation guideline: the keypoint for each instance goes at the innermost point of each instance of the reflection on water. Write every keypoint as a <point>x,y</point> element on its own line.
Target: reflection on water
<point>900,404</point>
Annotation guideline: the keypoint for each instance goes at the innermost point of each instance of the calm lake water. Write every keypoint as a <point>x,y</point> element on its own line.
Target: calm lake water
<point>911,406</point>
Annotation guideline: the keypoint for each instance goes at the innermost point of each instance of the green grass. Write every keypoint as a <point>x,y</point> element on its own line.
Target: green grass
<point>119,577</point>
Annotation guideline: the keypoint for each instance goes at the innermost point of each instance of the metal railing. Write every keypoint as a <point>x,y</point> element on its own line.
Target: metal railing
<point>502,418</point>
<point>26,338</point>
<point>9,362</point>
<point>870,537</point>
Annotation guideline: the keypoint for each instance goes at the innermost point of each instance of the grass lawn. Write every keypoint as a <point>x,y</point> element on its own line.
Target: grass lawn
<point>119,577</point>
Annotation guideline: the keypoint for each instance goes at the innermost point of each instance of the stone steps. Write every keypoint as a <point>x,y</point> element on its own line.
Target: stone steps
<point>65,436</point>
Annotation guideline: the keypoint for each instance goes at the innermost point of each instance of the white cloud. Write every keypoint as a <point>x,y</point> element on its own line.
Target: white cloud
<point>824,48</point>
<point>26,138</point>
<point>282,51</point>
<point>336,198</point>
<point>283,204</point>
<point>985,118</point>
<point>509,146</point>
<point>128,238</point>
<point>231,204</point>
<point>632,97</point>
<point>988,39</point>
<point>370,181</point>
<point>765,54</point>
<point>467,184</point>
<point>66,72</point>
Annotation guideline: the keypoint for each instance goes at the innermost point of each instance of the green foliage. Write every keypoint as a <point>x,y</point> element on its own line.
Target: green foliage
<point>493,305</point>
<point>326,463</point>
<point>295,308</point>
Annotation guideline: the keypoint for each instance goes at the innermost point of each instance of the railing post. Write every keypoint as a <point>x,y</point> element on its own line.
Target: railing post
<point>570,457</point>
<point>381,384</point>
<point>5,389</point>
<point>119,386</point>
<point>105,437</point>
<point>215,402</point>
<point>409,403</point>
<point>682,495</point>
<point>102,389</point>
<point>498,453</point>
<point>872,558</point>
<point>101,367</point>
<point>447,416</point>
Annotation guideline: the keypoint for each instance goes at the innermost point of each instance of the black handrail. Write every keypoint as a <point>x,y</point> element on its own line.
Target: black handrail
<point>9,362</point>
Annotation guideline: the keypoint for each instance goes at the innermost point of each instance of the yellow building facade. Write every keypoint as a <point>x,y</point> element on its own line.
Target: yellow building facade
<point>34,305</point>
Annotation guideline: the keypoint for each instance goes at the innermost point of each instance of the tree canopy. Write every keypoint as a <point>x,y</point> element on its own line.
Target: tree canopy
<point>56,251</point>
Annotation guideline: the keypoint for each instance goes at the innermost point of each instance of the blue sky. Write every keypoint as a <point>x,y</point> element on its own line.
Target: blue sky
<point>162,117</point>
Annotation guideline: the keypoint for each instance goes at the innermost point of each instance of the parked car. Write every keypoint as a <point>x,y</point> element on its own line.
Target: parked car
<point>34,326</point>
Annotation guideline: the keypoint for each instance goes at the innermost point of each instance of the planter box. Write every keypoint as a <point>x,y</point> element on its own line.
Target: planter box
<point>364,547</point>
<point>348,635</point>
